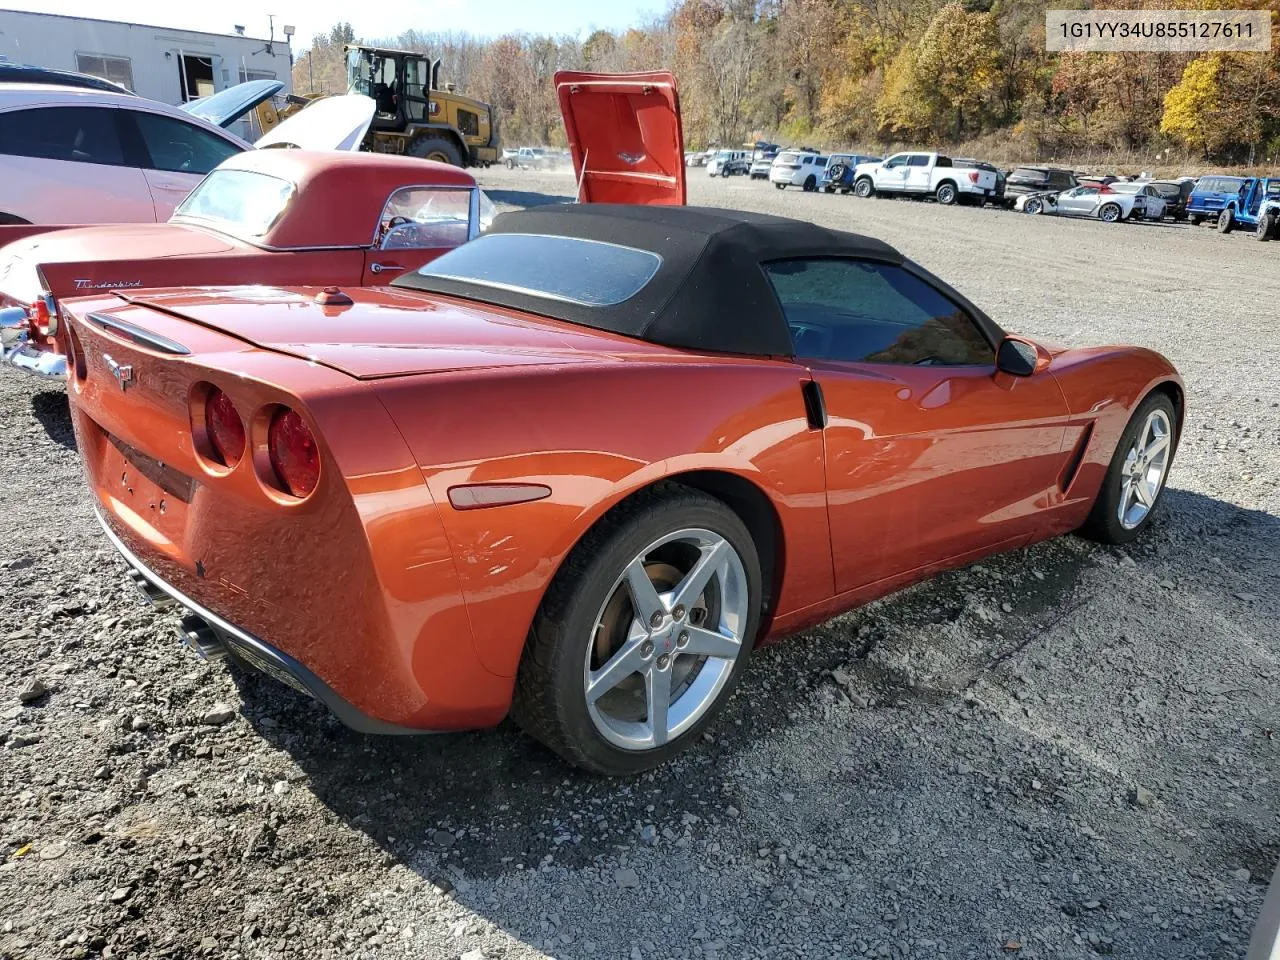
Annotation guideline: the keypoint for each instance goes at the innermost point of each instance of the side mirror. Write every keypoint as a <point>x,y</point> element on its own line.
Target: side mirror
<point>1020,358</point>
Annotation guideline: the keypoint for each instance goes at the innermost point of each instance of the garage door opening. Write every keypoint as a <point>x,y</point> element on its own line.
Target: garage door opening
<point>196,75</point>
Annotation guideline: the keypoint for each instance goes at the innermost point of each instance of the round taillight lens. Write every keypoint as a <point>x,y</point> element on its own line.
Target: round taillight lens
<point>225,428</point>
<point>295,458</point>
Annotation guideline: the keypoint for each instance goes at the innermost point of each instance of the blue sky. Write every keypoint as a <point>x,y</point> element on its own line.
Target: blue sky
<point>382,18</point>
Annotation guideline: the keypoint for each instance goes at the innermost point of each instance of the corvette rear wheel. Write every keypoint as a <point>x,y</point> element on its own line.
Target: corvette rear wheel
<point>1110,213</point>
<point>1136,477</point>
<point>643,633</point>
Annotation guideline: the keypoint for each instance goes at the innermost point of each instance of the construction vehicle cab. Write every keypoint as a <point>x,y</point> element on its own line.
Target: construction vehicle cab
<point>414,116</point>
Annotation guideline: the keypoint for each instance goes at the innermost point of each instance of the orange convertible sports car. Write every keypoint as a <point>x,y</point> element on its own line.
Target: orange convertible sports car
<point>576,469</point>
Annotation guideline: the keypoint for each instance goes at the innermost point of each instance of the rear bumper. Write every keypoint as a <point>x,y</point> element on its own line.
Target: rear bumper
<point>16,349</point>
<point>211,636</point>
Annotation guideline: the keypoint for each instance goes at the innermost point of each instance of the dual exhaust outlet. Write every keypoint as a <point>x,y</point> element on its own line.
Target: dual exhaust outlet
<point>194,631</point>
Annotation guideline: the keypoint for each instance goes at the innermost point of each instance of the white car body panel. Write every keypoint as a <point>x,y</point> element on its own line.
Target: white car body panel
<point>920,173</point>
<point>792,168</point>
<point>43,190</point>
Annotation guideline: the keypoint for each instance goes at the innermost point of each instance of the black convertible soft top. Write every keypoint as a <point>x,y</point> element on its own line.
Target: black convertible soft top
<point>709,293</point>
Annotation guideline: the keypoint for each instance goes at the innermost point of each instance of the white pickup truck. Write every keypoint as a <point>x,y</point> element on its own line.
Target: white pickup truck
<point>925,174</point>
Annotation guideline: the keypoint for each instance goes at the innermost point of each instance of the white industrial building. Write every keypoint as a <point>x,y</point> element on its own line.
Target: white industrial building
<point>161,63</point>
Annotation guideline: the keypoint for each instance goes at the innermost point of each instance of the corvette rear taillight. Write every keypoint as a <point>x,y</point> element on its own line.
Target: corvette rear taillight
<point>973,176</point>
<point>292,450</point>
<point>1105,189</point>
<point>224,427</point>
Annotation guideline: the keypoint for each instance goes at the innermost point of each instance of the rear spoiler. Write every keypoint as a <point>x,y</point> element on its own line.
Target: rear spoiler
<point>18,231</point>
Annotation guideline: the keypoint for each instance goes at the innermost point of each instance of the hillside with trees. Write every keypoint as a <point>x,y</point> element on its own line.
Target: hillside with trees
<point>879,73</point>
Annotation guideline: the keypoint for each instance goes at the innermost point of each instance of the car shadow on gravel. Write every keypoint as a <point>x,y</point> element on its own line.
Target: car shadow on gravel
<point>53,412</point>
<point>487,805</point>
<point>526,199</point>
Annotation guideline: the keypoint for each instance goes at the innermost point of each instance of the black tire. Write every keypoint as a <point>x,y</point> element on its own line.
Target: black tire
<point>724,172</point>
<point>781,186</point>
<point>1180,217</point>
<point>550,699</point>
<point>864,188</point>
<point>1266,228</point>
<point>1194,220</point>
<point>1103,523</point>
<point>1226,220</point>
<point>810,184</point>
<point>946,194</point>
<point>439,149</point>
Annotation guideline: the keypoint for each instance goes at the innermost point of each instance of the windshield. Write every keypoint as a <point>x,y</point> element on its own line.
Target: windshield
<point>1029,174</point>
<point>1127,187</point>
<point>1219,184</point>
<point>243,203</point>
<point>584,272</point>
<point>358,77</point>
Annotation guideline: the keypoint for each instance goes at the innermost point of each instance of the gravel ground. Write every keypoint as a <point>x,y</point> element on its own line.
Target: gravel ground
<point>1059,753</point>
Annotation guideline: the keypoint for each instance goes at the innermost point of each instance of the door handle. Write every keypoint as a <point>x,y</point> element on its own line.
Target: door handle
<point>376,268</point>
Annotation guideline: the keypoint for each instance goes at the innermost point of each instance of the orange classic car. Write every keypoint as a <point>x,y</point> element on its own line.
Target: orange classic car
<point>263,216</point>
<point>576,469</point>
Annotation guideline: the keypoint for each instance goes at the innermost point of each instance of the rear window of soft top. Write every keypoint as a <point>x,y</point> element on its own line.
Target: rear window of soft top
<point>585,272</point>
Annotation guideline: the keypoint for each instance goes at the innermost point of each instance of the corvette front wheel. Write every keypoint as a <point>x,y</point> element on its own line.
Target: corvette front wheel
<point>643,633</point>
<point>1136,476</point>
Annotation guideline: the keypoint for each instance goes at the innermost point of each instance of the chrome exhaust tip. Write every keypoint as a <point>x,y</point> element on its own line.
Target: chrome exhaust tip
<point>201,638</point>
<point>159,599</point>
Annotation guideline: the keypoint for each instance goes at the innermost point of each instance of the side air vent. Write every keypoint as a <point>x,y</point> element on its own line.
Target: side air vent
<point>1077,458</point>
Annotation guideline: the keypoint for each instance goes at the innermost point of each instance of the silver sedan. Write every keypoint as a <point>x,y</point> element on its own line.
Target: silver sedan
<point>1102,202</point>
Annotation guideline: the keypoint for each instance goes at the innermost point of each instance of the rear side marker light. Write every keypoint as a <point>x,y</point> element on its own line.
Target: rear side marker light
<point>292,451</point>
<point>474,496</point>
<point>224,427</point>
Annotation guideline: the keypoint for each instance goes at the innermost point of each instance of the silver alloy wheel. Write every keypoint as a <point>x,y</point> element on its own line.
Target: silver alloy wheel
<point>1110,213</point>
<point>1145,467</point>
<point>678,641</point>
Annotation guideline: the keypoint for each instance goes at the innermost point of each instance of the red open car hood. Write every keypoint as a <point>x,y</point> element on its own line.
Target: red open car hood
<point>624,132</point>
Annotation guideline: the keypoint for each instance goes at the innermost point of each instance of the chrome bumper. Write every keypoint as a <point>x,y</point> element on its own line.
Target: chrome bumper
<point>16,349</point>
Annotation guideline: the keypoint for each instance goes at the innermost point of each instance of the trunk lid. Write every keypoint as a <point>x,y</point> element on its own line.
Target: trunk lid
<point>382,332</point>
<point>227,106</point>
<point>84,259</point>
<point>334,123</point>
<point>625,136</point>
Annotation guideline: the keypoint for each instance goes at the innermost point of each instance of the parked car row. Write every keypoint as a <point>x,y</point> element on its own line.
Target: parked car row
<point>1229,202</point>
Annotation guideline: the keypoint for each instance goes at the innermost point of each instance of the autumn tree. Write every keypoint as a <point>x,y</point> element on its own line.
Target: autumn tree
<point>957,64</point>
<point>1224,102</point>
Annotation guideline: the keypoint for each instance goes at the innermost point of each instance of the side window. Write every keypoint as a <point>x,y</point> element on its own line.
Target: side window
<point>179,147</point>
<point>118,70</point>
<point>77,134</point>
<point>898,161</point>
<point>425,217</point>
<point>918,160</point>
<point>861,311</point>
